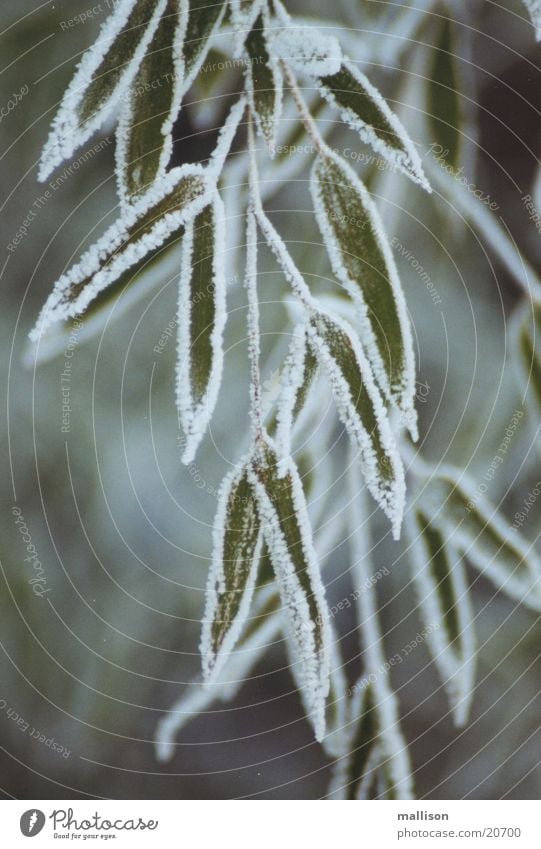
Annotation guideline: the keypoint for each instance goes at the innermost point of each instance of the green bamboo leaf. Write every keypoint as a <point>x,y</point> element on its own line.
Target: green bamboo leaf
<point>362,260</point>
<point>144,227</point>
<point>204,18</point>
<point>362,411</point>
<point>201,320</point>
<point>474,527</point>
<point>235,561</point>
<point>264,83</point>
<point>442,591</point>
<point>151,105</point>
<point>103,73</point>
<point>443,108</point>
<point>364,109</point>
<point>286,528</point>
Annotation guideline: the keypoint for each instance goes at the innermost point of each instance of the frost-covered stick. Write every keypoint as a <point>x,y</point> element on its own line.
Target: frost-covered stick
<point>276,243</point>
<point>394,745</point>
<point>304,113</point>
<point>250,283</point>
<point>225,138</point>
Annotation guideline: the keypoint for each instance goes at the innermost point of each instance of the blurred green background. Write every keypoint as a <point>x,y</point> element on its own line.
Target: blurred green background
<point>122,529</point>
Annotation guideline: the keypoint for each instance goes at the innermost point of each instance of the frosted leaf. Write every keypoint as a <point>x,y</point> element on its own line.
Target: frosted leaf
<point>204,19</point>
<point>362,260</point>
<point>483,220</point>
<point>362,411</point>
<point>261,630</point>
<point>444,112</point>
<point>307,49</point>
<point>286,528</point>
<point>146,225</point>
<point>440,583</point>
<point>201,320</point>
<point>264,82</point>
<point>232,576</point>
<point>130,288</point>
<point>296,379</point>
<point>534,9</point>
<point>150,106</point>
<point>363,108</point>
<point>102,75</point>
<point>474,527</point>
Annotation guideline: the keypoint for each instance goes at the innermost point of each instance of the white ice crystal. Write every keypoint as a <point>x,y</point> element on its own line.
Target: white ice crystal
<point>307,49</point>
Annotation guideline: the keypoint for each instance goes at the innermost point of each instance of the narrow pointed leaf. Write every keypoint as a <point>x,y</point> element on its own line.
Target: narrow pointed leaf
<point>440,582</point>
<point>235,561</point>
<point>362,261</point>
<point>264,80</point>
<point>443,107</point>
<point>476,529</point>
<point>286,528</point>
<point>151,105</point>
<point>204,19</point>
<point>201,322</point>
<point>260,632</point>
<point>104,72</point>
<point>364,109</point>
<point>361,410</point>
<point>142,229</point>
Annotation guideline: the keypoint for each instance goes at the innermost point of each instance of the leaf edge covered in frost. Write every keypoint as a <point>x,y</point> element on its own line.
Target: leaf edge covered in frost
<point>214,654</point>
<point>266,124</point>
<point>126,115</point>
<point>66,135</point>
<point>390,497</point>
<point>402,394</point>
<point>308,639</point>
<point>406,160</point>
<point>100,265</point>
<point>195,415</point>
